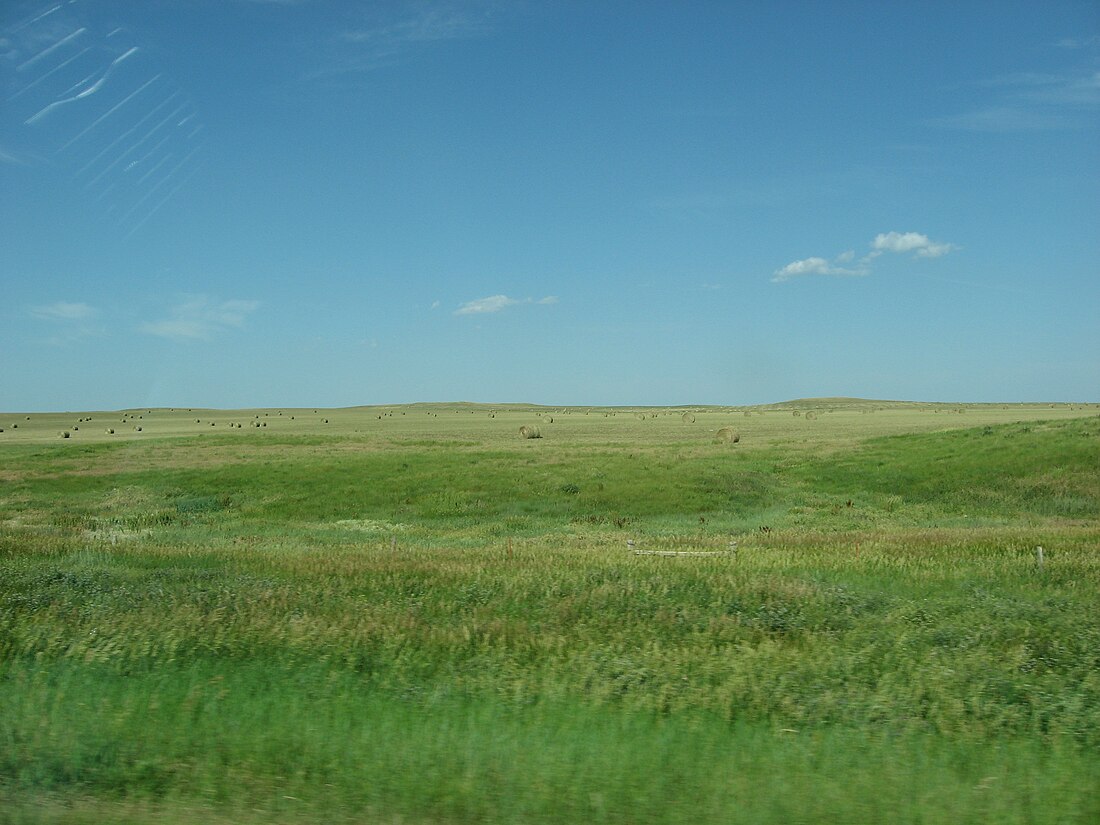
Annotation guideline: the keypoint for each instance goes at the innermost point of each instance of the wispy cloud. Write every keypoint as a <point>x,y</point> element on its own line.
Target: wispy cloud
<point>68,321</point>
<point>1004,119</point>
<point>813,266</point>
<point>1030,101</point>
<point>479,306</point>
<point>1078,42</point>
<point>895,242</point>
<point>496,303</point>
<point>387,34</point>
<point>200,318</point>
<point>63,311</point>
<point>6,156</point>
<point>427,24</point>
<point>910,242</point>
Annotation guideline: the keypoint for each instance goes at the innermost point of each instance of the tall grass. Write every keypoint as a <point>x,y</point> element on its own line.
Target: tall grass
<point>452,629</point>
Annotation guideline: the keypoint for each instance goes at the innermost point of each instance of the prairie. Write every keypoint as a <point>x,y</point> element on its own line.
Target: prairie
<point>410,613</point>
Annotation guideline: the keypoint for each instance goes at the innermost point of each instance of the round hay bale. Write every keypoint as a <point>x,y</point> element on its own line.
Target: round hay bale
<point>137,429</point>
<point>75,428</point>
<point>529,432</point>
<point>549,419</point>
<point>688,418</point>
<point>727,435</point>
<point>110,431</point>
<point>811,415</point>
<point>640,416</point>
<point>65,434</point>
<point>796,413</point>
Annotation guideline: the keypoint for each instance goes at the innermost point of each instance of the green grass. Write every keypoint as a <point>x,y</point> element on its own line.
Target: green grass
<point>424,618</point>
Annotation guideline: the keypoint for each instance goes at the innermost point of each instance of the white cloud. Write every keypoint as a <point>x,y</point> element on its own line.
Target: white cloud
<point>63,311</point>
<point>812,266</point>
<point>910,242</point>
<point>495,303</point>
<point>884,242</point>
<point>435,305</point>
<point>199,318</point>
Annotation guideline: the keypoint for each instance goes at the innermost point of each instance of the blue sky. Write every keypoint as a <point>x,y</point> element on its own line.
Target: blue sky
<point>246,203</point>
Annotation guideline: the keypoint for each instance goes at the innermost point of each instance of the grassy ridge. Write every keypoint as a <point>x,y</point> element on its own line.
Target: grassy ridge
<point>1008,474</point>
<point>448,627</point>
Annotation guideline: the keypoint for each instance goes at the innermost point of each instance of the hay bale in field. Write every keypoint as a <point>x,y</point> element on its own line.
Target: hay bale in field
<point>529,432</point>
<point>640,416</point>
<point>688,418</point>
<point>796,413</point>
<point>549,419</point>
<point>727,435</point>
<point>109,431</point>
<point>811,416</point>
<point>65,434</point>
<point>137,429</point>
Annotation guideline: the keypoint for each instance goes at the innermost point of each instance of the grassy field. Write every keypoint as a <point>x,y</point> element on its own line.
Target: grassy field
<point>411,614</point>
